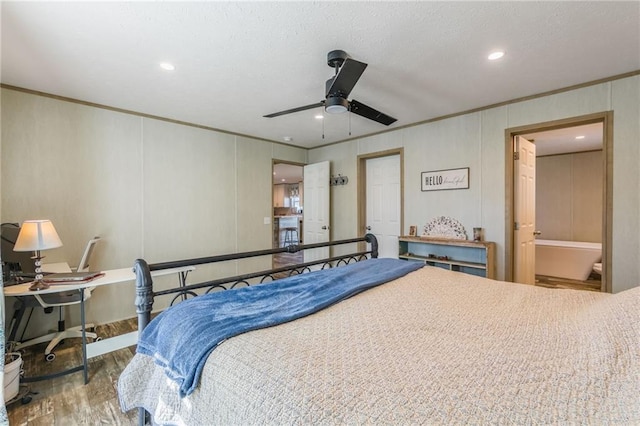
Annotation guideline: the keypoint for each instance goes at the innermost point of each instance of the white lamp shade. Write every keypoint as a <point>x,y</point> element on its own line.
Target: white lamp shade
<point>37,235</point>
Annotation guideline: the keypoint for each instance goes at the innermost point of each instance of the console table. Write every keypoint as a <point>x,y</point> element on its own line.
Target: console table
<point>471,257</point>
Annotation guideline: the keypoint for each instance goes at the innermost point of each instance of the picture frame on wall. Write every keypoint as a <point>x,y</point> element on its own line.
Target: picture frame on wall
<point>438,180</point>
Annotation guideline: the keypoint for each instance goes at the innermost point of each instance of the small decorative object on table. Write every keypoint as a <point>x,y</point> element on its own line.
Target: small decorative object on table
<point>477,234</point>
<point>413,230</point>
<point>434,256</point>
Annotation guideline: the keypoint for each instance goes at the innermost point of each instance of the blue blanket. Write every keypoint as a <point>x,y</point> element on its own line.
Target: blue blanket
<point>182,337</point>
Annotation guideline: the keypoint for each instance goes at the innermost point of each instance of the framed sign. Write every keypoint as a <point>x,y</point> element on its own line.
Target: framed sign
<point>445,179</point>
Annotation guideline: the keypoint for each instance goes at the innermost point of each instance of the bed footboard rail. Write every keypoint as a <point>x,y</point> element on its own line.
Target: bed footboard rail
<point>144,282</point>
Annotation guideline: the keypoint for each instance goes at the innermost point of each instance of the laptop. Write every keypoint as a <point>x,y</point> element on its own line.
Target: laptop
<point>71,277</point>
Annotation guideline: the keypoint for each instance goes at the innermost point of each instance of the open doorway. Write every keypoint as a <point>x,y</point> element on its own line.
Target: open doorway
<point>288,208</point>
<point>571,202</point>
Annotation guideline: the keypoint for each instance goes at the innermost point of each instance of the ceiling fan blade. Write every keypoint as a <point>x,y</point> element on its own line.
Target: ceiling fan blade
<point>370,113</point>
<point>292,110</point>
<point>347,77</point>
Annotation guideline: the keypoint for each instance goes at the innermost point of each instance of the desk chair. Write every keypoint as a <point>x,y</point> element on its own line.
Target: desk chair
<point>61,300</point>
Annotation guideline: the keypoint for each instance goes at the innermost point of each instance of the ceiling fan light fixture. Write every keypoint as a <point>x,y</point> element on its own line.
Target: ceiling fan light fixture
<point>336,105</point>
<point>337,90</point>
<point>496,55</point>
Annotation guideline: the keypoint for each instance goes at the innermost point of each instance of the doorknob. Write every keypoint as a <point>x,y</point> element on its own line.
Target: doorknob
<point>537,233</point>
<point>325,227</point>
<point>368,228</point>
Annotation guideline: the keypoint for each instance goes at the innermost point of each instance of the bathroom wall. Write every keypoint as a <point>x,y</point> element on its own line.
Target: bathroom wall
<point>569,196</point>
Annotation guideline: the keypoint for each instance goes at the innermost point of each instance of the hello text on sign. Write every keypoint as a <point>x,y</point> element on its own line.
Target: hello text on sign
<point>445,179</point>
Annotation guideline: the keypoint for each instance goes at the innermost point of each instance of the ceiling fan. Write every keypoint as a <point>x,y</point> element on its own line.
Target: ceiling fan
<point>337,89</point>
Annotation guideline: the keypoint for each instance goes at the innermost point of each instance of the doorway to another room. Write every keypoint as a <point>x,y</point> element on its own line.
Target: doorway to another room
<point>287,211</point>
<point>559,195</point>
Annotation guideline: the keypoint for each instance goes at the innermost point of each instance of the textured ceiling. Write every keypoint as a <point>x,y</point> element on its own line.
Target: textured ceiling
<point>237,61</point>
<point>588,137</point>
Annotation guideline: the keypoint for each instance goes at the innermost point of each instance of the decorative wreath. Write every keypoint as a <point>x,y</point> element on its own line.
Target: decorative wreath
<point>445,227</point>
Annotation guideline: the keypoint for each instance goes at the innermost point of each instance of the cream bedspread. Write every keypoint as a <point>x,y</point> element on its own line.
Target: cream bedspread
<point>434,347</point>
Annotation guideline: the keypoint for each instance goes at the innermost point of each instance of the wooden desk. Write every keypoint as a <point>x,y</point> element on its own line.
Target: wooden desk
<point>110,277</point>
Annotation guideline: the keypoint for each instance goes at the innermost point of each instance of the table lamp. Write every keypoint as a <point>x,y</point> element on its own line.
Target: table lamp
<point>36,235</point>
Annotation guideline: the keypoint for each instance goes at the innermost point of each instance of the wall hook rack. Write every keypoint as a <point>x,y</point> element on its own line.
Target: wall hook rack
<point>338,180</point>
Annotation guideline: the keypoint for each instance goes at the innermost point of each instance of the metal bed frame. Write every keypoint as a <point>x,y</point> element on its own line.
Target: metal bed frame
<point>144,283</point>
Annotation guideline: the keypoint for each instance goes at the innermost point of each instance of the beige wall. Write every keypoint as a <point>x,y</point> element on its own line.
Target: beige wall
<point>569,197</point>
<point>149,188</point>
<point>477,140</point>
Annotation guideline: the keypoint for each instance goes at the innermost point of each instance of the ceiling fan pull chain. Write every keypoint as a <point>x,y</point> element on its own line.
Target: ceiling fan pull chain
<point>323,126</point>
<point>349,121</point>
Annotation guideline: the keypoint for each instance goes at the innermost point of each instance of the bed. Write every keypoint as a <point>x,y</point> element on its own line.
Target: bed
<point>430,347</point>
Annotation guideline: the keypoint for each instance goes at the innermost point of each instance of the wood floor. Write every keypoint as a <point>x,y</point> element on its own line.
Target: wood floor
<point>285,259</point>
<point>591,284</point>
<point>67,400</point>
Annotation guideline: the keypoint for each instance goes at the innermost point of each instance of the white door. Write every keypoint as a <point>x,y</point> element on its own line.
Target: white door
<point>383,203</point>
<point>316,209</point>
<point>524,168</point>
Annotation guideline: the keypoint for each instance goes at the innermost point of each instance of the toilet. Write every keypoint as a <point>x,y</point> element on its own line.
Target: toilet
<point>597,268</point>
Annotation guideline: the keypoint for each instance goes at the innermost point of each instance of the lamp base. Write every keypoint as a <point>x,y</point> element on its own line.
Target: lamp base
<point>38,285</point>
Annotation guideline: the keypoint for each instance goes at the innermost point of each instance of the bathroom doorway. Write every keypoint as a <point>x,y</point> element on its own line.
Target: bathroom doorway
<point>572,204</point>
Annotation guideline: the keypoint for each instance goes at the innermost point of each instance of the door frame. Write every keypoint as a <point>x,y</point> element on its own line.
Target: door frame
<point>606,118</point>
<point>362,186</point>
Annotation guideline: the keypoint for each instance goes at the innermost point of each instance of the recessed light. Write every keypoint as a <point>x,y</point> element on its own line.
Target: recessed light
<point>167,66</point>
<point>284,180</point>
<point>496,55</point>
<point>319,117</point>
<point>580,137</point>
<point>287,138</point>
